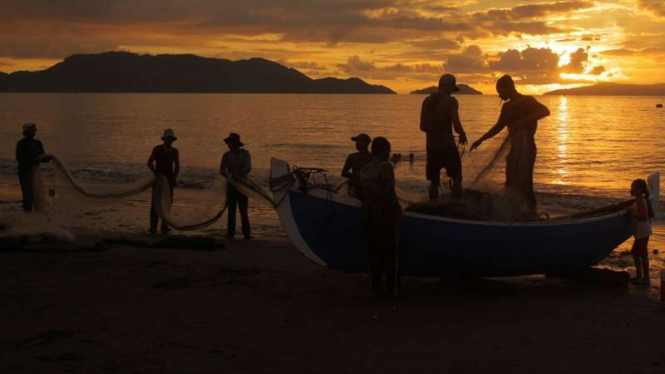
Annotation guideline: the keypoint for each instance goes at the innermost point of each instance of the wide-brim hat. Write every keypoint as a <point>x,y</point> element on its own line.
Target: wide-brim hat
<point>169,134</point>
<point>362,138</point>
<point>450,81</point>
<point>233,138</point>
<point>29,126</point>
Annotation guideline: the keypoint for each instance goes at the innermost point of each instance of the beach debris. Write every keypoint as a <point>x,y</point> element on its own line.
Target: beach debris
<point>659,105</point>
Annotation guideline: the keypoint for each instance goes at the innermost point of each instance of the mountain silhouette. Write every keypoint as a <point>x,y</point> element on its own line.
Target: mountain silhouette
<point>3,81</point>
<point>614,89</point>
<point>130,72</point>
<point>465,89</point>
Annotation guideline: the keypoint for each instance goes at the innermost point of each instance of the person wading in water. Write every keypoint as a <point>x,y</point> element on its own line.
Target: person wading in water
<point>356,161</point>
<point>520,113</point>
<point>164,160</point>
<point>438,117</point>
<point>237,163</point>
<point>28,151</point>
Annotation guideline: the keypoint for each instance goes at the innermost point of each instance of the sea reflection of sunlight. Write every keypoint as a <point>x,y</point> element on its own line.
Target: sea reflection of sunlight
<point>562,171</point>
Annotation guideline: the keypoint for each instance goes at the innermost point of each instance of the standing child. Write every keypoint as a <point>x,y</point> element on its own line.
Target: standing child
<point>642,214</point>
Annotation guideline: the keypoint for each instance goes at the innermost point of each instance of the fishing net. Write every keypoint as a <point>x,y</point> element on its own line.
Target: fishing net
<point>485,196</point>
<point>70,202</point>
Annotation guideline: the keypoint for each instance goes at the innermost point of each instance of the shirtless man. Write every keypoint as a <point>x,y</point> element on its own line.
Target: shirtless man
<point>520,114</point>
<point>438,117</point>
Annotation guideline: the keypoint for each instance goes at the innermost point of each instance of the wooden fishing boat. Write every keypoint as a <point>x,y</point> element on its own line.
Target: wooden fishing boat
<point>325,226</point>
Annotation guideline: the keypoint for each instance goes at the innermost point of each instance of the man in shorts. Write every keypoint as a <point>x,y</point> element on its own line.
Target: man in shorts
<point>438,117</point>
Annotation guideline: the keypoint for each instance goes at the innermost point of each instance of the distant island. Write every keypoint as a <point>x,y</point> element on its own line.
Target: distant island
<point>614,89</point>
<point>129,72</point>
<point>464,90</point>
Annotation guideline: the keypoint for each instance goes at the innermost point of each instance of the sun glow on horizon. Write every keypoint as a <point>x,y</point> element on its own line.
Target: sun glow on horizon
<point>402,44</point>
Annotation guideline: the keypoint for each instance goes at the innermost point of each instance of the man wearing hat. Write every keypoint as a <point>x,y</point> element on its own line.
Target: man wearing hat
<point>438,117</point>
<point>164,160</point>
<point>28,151</point>
<point>237,163</point>
<point>356,161</point>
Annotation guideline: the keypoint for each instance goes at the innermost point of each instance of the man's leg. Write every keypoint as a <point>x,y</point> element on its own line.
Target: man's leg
<point>154,219</point>
<point>457,187</point>
<point>638,266</point>
<point>26,190</point>
<point>243,202</point>
<point>454,171</point>
<point>377,261</point>
<point>435,179</point>
<point>390,251</point>
<point>165,228</point>
<point>232,203</point>
<point>645,259</point>
<point>432,172</point>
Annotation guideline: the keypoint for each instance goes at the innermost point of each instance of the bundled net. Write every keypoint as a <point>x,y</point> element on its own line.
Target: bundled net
<point>485,196</point>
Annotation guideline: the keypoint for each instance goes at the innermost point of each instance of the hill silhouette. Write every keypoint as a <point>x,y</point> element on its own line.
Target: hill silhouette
<point>3,81</point>
<point>614,89</point>
<point>130,72</point>
<point>465,89</point>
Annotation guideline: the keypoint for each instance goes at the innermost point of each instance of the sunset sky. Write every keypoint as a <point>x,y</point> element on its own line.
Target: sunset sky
<point>403,44</point>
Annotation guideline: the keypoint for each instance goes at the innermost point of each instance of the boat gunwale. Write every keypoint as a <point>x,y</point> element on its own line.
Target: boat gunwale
<point>350,201</point>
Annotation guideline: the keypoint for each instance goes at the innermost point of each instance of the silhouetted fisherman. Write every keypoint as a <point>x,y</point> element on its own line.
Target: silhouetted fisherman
<point>164,160</point>
<point>520,114</point>
<point>381,215</point>
<point>236,162</point>
<point>28,152</point>
<point>438,117</point>
<point>355,162</point>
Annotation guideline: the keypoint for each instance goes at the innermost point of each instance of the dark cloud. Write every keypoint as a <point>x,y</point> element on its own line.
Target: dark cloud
<point>598,70</point>
<point>656,6</point>
<point>471,60</point>
<point>529,66</point>
<point>440,44</point>
<point>578,61</point>
<point>530,60</point>
<point>355,66</point>
<point>324,21</point>
<point>532,11</point>
<point>526,19</point>
<point>545,9</point>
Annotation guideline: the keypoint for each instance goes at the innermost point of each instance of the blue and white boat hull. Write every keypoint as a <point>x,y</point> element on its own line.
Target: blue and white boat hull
<point>326,228</point>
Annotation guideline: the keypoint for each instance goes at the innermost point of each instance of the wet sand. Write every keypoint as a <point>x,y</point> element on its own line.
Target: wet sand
<point>261,307</point>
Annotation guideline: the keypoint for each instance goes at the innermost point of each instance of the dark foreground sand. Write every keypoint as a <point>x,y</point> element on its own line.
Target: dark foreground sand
<point>261,307</point>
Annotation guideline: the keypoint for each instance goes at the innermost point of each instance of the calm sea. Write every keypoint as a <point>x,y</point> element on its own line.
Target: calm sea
<point>589,149</point>
<point>589,146</point>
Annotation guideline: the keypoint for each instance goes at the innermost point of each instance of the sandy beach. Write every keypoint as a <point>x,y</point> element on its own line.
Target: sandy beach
<point>95,305</point>
<point>259,307</point>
